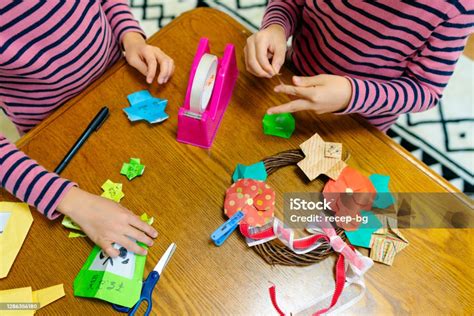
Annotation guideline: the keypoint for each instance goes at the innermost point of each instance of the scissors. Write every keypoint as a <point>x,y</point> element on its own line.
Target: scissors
<point>149,284</point>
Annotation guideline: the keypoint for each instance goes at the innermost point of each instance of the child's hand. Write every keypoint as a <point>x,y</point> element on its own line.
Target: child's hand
<point>145,58</point>
<point>263,45</point>
<point>106,222</point>
<point>322,94</point>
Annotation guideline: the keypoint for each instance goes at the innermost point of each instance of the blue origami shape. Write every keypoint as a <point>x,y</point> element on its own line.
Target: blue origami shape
<point>256,171</point>
<point>143,106</point>
<point>384,198</point>
<point>361,237</point>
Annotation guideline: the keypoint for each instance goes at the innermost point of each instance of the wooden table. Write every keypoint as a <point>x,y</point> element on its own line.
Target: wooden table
<point>183,188</point>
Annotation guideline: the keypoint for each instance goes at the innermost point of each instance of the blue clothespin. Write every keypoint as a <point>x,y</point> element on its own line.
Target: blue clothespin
<point>224,231</point>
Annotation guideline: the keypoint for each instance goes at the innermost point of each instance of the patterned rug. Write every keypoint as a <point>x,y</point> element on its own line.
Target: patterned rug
<point>442,137</point>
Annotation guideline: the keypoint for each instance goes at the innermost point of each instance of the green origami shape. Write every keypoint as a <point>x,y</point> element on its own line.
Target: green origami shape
<point>281,125</point>
<point>383,198</point>
<point>132,169</point>
<point>256,171</point>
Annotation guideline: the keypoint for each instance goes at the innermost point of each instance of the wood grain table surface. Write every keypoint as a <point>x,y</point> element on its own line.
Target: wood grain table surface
<point>183,187</point>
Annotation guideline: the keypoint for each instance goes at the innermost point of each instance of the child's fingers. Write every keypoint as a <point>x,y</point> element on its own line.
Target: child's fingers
<point>302,92</point>
<point>252,63</point>
<point>138,64</point>
<point>261,48</point>
<point>109,249</point>
<point>151,65</point>
<point>279,55</point>
<point>138,235</point>
<point>166,66</point>
<point>130,245</point>
<point>165,69</point>
<point>290,107</point>
<point>309,81</point>
<point>136,222</point>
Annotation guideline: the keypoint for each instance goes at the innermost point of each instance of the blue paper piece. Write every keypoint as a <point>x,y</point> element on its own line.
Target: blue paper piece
<point>361,236</point>
<point>383,198</point>
<point>139,96</point>
<point>143,106</point>
<point>256,171</point>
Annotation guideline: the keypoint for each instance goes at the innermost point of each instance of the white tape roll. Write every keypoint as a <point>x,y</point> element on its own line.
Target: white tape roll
<point>203,83</point>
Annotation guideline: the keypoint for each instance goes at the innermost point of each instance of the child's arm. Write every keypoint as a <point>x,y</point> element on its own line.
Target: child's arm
<point>419,89</point>
<point>145,58</point>
<point>102,220</point>
<point>280,21</point>
<point>287,14</point>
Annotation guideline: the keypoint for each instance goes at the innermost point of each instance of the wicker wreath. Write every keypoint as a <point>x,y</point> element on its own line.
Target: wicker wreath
<point>275,252</point>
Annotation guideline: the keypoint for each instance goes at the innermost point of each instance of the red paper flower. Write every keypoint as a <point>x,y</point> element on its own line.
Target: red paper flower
<point>350,193</point>
<point>254,198</point>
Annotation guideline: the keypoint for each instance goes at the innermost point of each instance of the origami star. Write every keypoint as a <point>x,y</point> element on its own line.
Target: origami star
<point>387,241</point>
<point>321,158</point>
<point>256,171</point>
<point>254,198</point>
<point>132,169</point>
<point>384,198</point>
<point>143,106</point>
<point>112,191</point>
<point>281,125</point>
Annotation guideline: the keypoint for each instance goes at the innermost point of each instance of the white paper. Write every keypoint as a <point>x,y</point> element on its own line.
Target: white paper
<point>122,265</point>
<point>4,217</point>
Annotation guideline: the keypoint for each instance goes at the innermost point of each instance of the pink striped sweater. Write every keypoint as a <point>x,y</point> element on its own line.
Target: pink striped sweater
<point>49,52</point>
<point>399,55</point>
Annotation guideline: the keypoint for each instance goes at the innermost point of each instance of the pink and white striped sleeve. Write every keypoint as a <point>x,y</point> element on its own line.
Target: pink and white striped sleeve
<point>425,78</point>
<point>284,13</point>
<point>121,19</point>
<point>29,182</point>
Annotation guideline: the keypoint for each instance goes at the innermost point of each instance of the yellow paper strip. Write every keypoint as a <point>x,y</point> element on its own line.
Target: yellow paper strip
<point>48,295</point>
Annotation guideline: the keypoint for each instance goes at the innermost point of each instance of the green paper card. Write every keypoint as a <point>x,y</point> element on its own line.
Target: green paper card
<point>115,280</point>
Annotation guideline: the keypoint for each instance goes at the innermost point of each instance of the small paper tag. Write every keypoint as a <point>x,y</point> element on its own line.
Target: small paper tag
<point>333,150</point>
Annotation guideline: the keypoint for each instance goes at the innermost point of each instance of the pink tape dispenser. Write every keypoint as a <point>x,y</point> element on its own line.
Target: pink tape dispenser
<point>210,87</point>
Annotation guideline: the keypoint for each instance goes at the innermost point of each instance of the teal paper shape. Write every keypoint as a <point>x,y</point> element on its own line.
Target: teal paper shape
<point>281,125</point>
<point>361,236</point>
<point>384,198</point>
<point>256,171</point>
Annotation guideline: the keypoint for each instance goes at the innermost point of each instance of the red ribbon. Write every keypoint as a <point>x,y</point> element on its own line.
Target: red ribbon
<point>303,243</point>
<point>340,280</point>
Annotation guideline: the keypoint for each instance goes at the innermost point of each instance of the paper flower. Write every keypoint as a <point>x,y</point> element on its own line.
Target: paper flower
<point>254,198</point>
<point>350,193</point>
